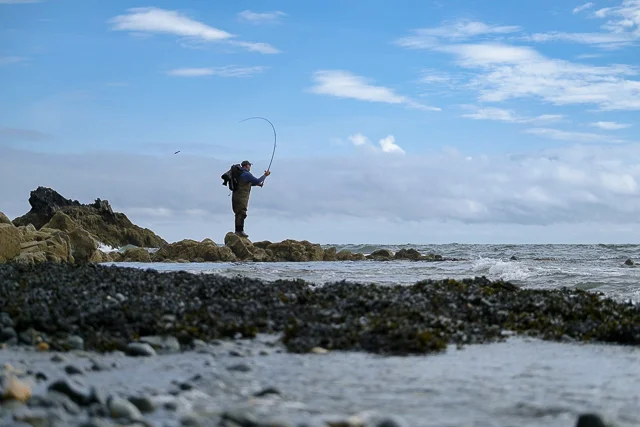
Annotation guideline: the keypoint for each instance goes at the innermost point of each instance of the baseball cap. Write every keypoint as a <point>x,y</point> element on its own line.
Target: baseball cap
<point>245,163</point>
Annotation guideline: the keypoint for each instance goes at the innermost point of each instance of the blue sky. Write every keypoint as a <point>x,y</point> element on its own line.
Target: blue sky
<point>449,121</point>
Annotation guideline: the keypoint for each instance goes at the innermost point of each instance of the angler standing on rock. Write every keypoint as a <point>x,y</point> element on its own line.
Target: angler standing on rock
<point>240,181</point>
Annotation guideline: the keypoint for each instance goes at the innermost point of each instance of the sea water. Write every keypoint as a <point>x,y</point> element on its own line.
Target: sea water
<point>522,382</point>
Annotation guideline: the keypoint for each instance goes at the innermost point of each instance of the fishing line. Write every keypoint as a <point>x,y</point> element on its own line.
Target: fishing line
<point>275,138</point>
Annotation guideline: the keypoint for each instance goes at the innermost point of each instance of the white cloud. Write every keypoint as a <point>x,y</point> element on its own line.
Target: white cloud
<point>452,31</point>
<point>155,20</point>
<point>503,115</point>
<point>388,145</point>
<point>358,139</point>
<point>264,48</point>
<point>585,6</point>
<point>344,84</point>
<point>573,136</point>
<point>8,60</point>
<point>610,125</point>
<point>227,71</point>
<point>622,28</point>
<point>260,17</point>
<point>506,72</point>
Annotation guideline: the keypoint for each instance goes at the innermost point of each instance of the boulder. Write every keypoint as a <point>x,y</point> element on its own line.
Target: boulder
<point>98,218</point>
<point>136,255</point>
<point>380,255</point>
<point>241,246</point>
<point>10,239</point>
<point>410,254</point>
<point>330,254</point>
<point>84,247</point>
<point>193,251</point>
<point>293,250</point>
<point>4,219</point>
<point>61,221</point>
<point>347,255</point>
<point>46,244</point>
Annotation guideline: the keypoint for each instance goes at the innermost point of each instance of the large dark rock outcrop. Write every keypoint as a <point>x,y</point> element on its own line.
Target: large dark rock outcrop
<point>98,218</point>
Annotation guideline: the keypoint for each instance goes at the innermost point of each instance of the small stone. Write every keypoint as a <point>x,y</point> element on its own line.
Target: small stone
<point>5,320</point>
<point>267,391</point>
<point>240,367</point>
<point>98,366</point>
<point>58,358</point>
<point>186,386</point>
<point>121,408</point>
<point>120,297</point>
<point>140,349</point>
<point>41,376</point>
<point>42,346</point>
<point>590,420</point>
<point>34,417</point>
<point>169,343</point>
<point>8,334</point>
<point>319,350</point>
<point>390,421</point>
<point>144,404</point>
<point>96,422</point>
<point>190,420</point>
<point>73,370</point>
<point>171,405</point>
<point>74,389</point>
<point>235,353</point>
<point>629,261</point>
<point>75,342</point>
<point>15,389</point>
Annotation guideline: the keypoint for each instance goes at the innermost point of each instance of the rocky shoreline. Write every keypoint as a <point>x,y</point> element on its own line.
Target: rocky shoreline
<point>61,230</point>
<point>138,313</point>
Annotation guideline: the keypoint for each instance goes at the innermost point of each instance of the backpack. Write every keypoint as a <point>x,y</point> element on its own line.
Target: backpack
<point>231,177</point>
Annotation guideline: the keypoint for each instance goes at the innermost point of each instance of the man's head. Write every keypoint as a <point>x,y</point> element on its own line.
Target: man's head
<point>246,164</point>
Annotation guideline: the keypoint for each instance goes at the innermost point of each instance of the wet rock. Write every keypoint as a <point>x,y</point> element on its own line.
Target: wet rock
<point>77,391</point>
<point>96,422</point>
<point>58,358</point>
<point>267,391</point>
<point>8,335</point>
<point>5,320</point>
<point>122,408</point>
<point>137,349</point>
<point>381,255</point>
<point>73,370</point>
<point>240,367</point>
<point>14,388</point>
<point>590,420</point>
<point>143,403</point>
<point>629,262</point>
<point>136,255</point>
<point>75,342</point>
<point>54,399</point>
<point>162,343</point>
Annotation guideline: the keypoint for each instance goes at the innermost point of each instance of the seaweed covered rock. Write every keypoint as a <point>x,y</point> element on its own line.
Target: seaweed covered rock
<point>293,250</point>
<point>380,255</point>
<point>111,228</point>
<point>113,306</point>
<point>193,251</point>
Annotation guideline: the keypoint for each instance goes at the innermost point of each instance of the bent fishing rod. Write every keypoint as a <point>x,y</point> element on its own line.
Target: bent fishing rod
<point>275,137</point>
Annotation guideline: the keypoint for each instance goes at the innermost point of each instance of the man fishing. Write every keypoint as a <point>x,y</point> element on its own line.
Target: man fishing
<point>240,198</point>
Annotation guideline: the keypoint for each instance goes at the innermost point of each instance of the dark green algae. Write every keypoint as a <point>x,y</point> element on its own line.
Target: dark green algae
<point>57,300</point>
